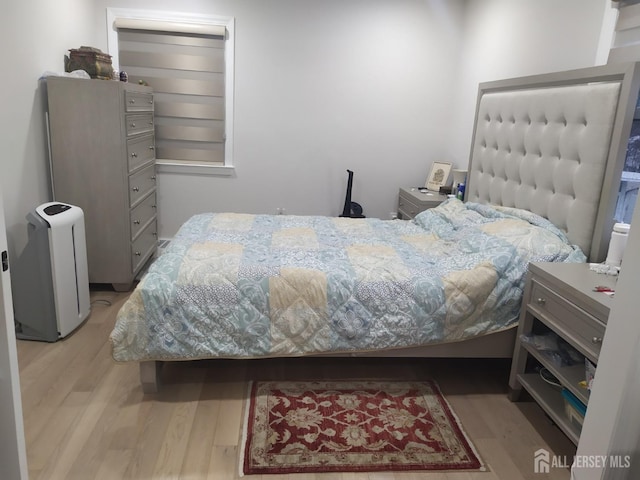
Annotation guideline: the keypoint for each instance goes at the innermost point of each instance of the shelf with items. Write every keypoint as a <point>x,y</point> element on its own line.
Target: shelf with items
<point>566,368</point>
<point>561,328</point>
<point>571,372</point>
<point>550,400</point>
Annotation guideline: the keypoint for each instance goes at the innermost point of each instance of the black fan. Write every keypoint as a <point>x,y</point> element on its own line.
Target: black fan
<point>351,209</point>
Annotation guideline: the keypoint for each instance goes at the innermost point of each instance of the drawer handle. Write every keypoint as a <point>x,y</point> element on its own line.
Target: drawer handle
<point>138,254</point>
<point>136,222</point>
<point>133,125</point>
<point>541,301</point>
<point>135,189</point>
<point>153,177</point>
<point>401,204</point>
<point>133,100</point>
<point>153,206</point>
<point>596,340</point>
<point>150,124</point>
<point>151,147</point>
<point>134,155</point>
<point>155,234</point>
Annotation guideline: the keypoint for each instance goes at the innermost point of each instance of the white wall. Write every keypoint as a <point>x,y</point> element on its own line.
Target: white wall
<point>35,35</point>
<point>514,38</point>
<point>366,85</point>
<point>321,86</point>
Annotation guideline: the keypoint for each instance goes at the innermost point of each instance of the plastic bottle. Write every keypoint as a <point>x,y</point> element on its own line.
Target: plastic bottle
<point>460,191</point>
<point>617,244</point>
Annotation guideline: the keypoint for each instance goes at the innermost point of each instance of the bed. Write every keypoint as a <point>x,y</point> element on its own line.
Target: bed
<point>547,153</point>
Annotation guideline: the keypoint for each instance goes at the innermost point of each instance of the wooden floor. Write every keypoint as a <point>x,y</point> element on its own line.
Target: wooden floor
<point>87,418</point>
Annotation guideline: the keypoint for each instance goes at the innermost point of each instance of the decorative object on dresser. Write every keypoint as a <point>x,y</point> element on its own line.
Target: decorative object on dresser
<point>92,60</point>
<point>413,200</point>
<point>102,154</point>
<point>438,176</point>
<point>562,323</point>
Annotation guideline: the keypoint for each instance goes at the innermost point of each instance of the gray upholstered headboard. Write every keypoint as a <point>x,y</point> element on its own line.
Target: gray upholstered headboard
<point>555,145</point>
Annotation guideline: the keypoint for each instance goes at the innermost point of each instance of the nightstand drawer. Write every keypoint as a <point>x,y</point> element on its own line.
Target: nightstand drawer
<point>412,201</point>
<point>408,209</point>
<point>568,319</point>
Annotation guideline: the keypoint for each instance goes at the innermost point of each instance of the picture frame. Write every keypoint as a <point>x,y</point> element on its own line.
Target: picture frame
<point>438,176</point>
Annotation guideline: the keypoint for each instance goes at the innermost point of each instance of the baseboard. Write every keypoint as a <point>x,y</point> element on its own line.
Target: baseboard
<point>163,243</point>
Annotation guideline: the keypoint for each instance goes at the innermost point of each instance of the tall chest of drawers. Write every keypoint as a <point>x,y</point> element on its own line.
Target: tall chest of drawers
<point>102,155</point>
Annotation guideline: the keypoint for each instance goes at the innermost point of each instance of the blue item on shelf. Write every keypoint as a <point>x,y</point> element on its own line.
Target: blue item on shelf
<point>575,403</point>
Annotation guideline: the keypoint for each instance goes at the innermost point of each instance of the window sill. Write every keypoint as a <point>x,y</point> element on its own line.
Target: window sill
<point>164,166</point>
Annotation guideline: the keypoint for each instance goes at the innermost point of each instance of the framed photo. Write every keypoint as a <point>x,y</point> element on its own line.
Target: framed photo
<point>438,176</point>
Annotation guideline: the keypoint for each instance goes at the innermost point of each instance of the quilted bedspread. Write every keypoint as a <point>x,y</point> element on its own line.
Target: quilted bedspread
<point>247,286</point>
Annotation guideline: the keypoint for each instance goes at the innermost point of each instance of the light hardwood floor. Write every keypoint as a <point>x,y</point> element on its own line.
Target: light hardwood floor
<point>87,418</point>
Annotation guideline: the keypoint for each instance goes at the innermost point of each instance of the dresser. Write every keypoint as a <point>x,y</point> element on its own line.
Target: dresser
<point>560,299</point>
<point>413,200</point>
<point>102,155</point>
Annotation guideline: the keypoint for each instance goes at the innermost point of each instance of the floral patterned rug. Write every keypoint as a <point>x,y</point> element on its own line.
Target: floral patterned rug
<point>352,426</point>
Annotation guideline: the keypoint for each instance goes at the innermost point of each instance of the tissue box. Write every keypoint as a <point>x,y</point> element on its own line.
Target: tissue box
<point>91,60</point>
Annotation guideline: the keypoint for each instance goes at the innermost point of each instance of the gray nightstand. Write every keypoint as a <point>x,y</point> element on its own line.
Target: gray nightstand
<point>412,201</point>
<point>560,297</point>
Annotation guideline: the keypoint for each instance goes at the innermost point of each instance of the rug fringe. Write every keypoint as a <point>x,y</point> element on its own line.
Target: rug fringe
<point>483,467</point>
<point>245,425</point>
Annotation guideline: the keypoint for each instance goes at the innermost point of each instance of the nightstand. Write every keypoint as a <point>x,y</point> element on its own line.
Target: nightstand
<point>560,298</point>
<point>413,200</point>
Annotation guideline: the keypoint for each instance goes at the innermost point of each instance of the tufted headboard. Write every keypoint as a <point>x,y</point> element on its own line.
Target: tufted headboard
<point>555,145</point>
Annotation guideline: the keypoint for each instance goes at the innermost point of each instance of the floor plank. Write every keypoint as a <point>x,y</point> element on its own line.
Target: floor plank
<point>86,416</point>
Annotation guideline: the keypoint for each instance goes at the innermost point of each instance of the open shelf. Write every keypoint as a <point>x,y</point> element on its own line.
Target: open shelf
<point>569,376</point>
<point>551,401</point>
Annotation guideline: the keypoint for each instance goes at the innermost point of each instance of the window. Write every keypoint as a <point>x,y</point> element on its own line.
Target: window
<point>625,48</point>
<point>188,61</point>
<point>630,180</point>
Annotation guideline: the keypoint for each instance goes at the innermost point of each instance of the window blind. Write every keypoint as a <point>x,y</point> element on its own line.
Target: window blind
<point>626,42</point>
<point>186,70</point>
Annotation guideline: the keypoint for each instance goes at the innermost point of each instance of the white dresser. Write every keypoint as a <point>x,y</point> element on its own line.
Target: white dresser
<point>103,160</point>
<point>412,201</point>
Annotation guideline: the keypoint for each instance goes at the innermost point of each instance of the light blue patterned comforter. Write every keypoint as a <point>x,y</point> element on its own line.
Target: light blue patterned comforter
<point>246,286</point>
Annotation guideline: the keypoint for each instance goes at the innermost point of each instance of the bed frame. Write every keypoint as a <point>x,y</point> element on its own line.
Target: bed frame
<point>553,144</point>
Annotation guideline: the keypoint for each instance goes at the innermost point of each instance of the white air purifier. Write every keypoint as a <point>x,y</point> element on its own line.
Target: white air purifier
<point>51,278</point>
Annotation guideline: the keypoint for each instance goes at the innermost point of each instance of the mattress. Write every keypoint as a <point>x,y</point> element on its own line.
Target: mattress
<point>249,286</point>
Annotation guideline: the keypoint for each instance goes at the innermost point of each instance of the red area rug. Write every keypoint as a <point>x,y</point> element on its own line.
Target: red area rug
<point>352,426</point>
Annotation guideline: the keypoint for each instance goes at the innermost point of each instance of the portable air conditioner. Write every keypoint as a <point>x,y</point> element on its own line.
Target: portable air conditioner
<point>51,278</point>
